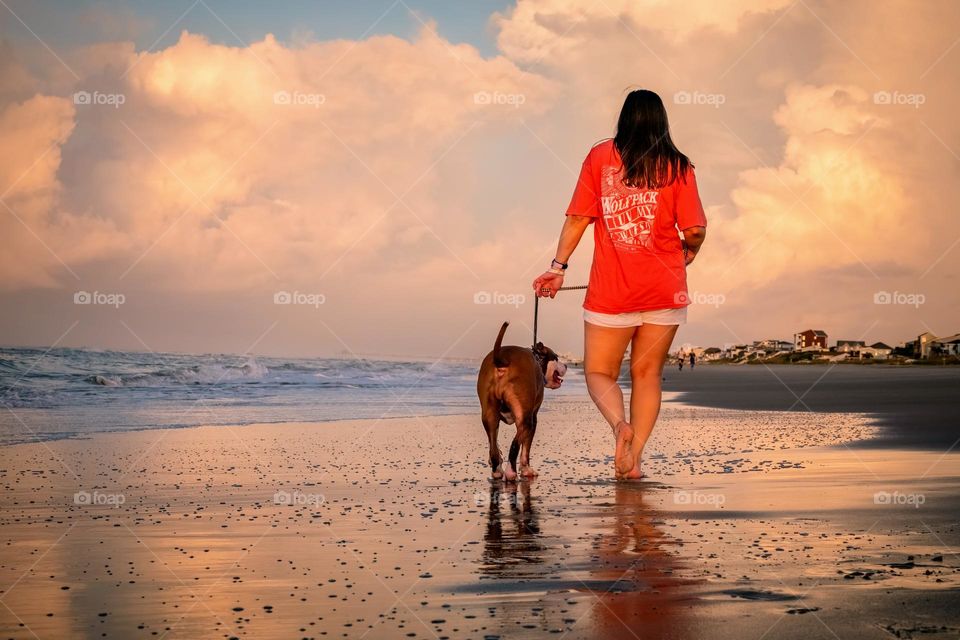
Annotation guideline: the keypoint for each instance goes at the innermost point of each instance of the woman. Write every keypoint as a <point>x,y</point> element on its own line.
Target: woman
<point>642,194</point>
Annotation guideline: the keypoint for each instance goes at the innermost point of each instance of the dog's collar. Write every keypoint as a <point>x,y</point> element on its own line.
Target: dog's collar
<point>540,357</point>
<point>537,356</point>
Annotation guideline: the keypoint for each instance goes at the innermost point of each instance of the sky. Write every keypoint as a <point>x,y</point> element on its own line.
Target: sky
<point>387,178</point>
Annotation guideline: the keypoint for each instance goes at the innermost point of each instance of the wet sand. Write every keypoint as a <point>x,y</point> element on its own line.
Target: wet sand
<point>917,406</point>
<point>752,525</point>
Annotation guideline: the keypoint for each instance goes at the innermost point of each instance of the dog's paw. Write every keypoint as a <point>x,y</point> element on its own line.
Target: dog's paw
<point>528,472</point>
<point>508,473</point>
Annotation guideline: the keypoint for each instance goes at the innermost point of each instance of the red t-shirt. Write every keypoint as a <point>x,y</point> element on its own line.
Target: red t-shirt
<point>638,260</point>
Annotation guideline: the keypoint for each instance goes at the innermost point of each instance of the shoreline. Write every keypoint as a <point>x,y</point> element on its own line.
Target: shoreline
<point>231,425</point>
<point>753,520</point>
<point>678,398</point>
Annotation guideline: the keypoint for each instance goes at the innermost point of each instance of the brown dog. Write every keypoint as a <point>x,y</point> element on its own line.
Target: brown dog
<point>510,386</point>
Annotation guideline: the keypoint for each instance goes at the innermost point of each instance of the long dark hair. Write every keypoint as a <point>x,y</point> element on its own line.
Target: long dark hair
<point>650,159</point>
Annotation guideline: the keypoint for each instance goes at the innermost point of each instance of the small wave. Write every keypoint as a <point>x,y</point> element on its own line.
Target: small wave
<point>7,365</point>
<point>90,390</point>
<point>22,398</point>
<point>197,374</point>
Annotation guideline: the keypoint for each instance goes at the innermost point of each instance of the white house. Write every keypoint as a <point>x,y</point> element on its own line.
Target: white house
<point>850,346</point>
<point>878,351</point>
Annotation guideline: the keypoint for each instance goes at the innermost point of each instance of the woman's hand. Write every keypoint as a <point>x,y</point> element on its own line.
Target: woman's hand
<point>547,284</point>
<point>550,281</point>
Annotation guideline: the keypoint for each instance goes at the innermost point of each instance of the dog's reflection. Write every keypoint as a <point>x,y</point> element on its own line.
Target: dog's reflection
<point>512,542</point>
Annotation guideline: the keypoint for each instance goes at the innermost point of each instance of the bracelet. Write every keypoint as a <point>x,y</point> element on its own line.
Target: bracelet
<point>560,265</point>
<point>558,272</point>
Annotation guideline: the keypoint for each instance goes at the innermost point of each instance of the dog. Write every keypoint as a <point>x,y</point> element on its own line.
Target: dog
<point>510,387</point>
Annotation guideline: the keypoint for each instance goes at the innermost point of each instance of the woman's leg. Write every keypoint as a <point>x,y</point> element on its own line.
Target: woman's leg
<point>603,350</point>
<point>648,353</point>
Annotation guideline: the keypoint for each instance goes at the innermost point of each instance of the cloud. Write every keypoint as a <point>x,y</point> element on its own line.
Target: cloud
<point>830,202</point>
<point>221,168</point>
<point>31,133</point>
<point>537,30</point>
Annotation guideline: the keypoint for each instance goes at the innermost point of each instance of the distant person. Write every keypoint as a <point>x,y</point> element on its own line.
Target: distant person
<point>641,193</point>
<point>693,360</point>
<point>680,360</point>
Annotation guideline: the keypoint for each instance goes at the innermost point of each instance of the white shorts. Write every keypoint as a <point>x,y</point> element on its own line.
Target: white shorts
<point>637,318</point>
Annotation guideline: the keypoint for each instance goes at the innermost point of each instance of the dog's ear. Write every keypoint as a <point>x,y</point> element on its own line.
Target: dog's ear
<point>538,347</point>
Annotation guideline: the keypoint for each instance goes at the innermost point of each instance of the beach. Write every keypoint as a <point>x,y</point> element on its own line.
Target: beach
<point>752,524</point>
<point>266,264</point>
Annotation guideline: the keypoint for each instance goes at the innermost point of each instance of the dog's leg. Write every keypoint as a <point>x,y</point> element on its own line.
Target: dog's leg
<point>510,465</point>
<point>526,442</point>
<point>491,422</point>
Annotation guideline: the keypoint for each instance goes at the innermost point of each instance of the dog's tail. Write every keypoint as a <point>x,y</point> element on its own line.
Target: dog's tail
<point>498,360</point>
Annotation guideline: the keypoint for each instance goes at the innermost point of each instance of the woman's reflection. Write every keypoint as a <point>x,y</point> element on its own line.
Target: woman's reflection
<point>641,595</point>
<point>625,575</point>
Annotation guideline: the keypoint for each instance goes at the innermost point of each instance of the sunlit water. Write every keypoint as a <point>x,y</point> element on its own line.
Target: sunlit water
<point>71,392</point>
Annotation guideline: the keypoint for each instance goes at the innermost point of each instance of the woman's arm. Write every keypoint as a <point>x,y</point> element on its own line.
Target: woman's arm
<point>693,237</point>
<point>570,235</point>
<point>550,282</point>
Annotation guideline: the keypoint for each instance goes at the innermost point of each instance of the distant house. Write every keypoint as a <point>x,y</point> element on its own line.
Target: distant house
<point>811,339</point>
<point>850,346</point>
<point>878,351</point>
<point>906,349</point>
<point>771,345</point>
<point>948,346</point>
<point>785,345</point>
<point>924,342</point>
<point>734,351</point>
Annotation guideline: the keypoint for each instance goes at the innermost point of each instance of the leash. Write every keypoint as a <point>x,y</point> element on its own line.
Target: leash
<point>536,308</point>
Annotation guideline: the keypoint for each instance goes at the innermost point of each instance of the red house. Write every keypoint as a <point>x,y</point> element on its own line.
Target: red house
<point>811,338</point>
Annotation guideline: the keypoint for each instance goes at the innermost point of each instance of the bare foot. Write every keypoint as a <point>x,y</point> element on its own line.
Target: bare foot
<point>623,459</point>
<point>508,473</point>
<point>633,474</point>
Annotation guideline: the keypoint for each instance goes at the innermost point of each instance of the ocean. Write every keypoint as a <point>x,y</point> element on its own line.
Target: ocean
<point>48,394</point>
